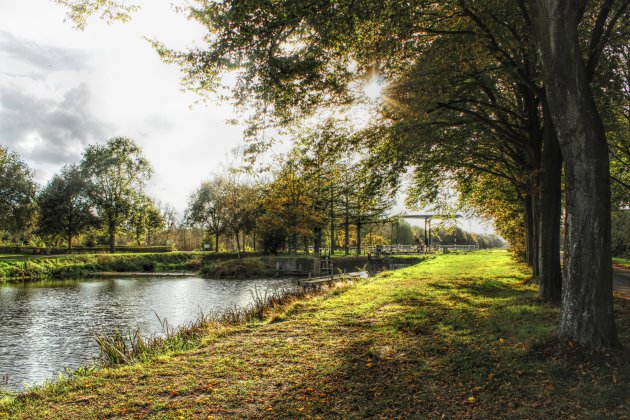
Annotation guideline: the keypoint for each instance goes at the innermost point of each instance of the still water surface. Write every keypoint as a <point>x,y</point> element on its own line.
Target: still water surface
<point>47,327</point>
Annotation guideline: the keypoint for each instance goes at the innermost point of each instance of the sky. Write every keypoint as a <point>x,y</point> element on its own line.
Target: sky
<point>62,89</point>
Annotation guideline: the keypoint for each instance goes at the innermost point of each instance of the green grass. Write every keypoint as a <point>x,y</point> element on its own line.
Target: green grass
<point>457,335</point>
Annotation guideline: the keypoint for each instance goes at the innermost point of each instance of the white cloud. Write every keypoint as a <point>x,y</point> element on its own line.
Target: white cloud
<point>61,89</point>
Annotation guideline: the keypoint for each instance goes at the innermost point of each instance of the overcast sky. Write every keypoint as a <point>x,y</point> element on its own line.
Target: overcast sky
<point>61,89</point>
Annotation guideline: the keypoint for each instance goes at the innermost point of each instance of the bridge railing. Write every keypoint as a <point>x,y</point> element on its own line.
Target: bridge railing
<point>322,251</point>
<point>403,249</point>
<point>395,249</point>
<point>411,249</point>
<point>458,247</point>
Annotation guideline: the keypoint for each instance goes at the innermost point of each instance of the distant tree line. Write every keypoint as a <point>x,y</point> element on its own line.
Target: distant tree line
<point>100,200</point>
<point>299,208</point>
<point>309,200</point>
<point>303,201</point>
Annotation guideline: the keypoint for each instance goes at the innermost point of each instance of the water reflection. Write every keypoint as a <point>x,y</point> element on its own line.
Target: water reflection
<point>46,327</point>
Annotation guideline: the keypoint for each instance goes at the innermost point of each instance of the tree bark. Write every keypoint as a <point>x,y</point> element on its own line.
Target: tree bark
<point>69,232</point>
<point>587,307</point>
<point>216,243</point>
<point>535,211</point>
<point>347,235</point>
<point>294,244</point>
<point>317,245</point>
<point>112,237</point>
<point>358,237</point>
<point>550,207</point>
<point>530,237</point>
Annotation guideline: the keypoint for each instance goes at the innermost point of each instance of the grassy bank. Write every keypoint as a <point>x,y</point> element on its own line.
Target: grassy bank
<point>458,335</point>
<point>29,267</point>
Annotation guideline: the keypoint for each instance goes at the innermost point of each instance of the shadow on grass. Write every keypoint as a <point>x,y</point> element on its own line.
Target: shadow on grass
<point>465,352</point>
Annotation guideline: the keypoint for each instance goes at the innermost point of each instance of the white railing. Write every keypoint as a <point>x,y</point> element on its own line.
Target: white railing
<point>402,249</point>
<point>322,251</point>
<point>418,249</point>
<point>395,249</point>
<point>458,247</point>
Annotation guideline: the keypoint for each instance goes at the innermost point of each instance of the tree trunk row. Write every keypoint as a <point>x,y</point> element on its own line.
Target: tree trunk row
<point>586,304</point>
<point>542,205</point>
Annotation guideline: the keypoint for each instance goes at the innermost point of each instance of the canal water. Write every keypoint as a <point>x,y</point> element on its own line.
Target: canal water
<point>47,327</point>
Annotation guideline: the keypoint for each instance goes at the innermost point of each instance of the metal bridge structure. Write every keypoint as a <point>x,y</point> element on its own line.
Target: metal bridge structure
<point>427,223</point>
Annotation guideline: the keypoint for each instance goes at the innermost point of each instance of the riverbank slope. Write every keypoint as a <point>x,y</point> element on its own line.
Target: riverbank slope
<point>459,335</point>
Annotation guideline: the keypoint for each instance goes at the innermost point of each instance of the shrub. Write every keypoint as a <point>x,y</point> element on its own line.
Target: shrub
<point>237,269</point>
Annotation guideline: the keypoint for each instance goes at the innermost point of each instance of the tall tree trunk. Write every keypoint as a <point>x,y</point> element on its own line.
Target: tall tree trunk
<point>587,308</point>
<point>535,211</point>
<point>70,230</point>
<point>112,237</point>
<point>532,156</point>
<point>318,241</point>
<point>347,234</point>
<point>216,243</point>
<point>238,245</point>
<point>293,245</point>
<point>530,238</point>
<point>358,237</point>
<point>550,206</point>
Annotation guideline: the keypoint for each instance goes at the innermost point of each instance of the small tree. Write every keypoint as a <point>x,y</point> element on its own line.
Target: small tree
<point>169,216</point>
<point>64,205</point>
<point>116,174</point>
<point>208,208</point>
<point>289,210</point>
<point>17,194</point>
<point>145,218</point>
<point>242,202</point>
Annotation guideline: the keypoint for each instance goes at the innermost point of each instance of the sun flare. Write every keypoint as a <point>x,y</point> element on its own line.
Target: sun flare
<point>374,89</point>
